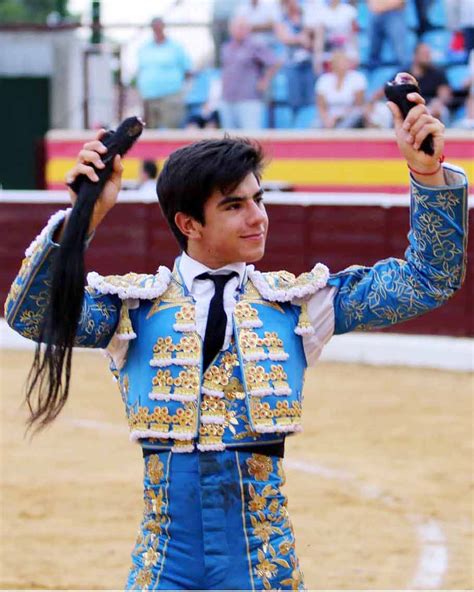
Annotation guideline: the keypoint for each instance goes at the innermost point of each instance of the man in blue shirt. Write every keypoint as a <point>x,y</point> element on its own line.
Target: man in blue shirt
<point>163,66</point>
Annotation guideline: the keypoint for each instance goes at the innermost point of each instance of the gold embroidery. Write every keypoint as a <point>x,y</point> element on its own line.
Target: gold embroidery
<point>258,381</point>
<point>245,315</point>
<point>234,390</point>
<point>185,318</point>
<point>211,434</point>
<point>155,469</point>
<point>186,384</point>
<point>259,466</point>
<point>187,350</point>
<point>268,517</point>
<point>184,421</point>
<point>263,414</point>
<point>125,325</point>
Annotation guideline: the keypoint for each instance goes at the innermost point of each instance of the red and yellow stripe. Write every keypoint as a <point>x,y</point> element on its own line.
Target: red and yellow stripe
<point>311,164</point>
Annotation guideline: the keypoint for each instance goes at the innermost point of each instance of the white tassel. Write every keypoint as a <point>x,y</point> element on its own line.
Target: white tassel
<point>251,324</point>
<point>282,390</point>
<point>210,447</point>
<point>292,427</point>
<point>171,397</point>
<point>278,357</point>
<point>172,434</point>
<point>126,336</point>
<point>182,449</point>
<point>304,330</point>
<point>212,393</point>
<point>161,362</point>
<point>213,419</point>
<point>255,357</point>
<point>184,328</point>
<point>261,392</point>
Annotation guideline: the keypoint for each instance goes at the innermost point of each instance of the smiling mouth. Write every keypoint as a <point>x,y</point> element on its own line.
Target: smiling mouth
<point>257,236</point>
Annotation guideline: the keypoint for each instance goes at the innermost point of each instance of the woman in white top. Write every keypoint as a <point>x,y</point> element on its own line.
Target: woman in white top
<point>340,94</point>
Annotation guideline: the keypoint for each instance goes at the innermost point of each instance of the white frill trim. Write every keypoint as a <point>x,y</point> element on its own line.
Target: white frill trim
<point>160,285</point>
<point>262,392</point>
<point>210,447</point>
<point>50,226</point>
<point>212,419</point>
<point>279,295</point>
<point>304,330</point>
<point>255,357</point>
<point>184,449</point>
<point>278,357</point>
<point>250,324</point>
<point>171,397</point>
<point>184,328</point>
<point>186,362</point>
<point>212,392</point>
<point>282,390</point>
<point>126,336</point>
<point>136,435</point>
<point>162,362</point>
<point>292,427</point>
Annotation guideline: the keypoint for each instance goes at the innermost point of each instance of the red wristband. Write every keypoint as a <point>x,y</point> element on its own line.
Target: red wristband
<point>441,160</point>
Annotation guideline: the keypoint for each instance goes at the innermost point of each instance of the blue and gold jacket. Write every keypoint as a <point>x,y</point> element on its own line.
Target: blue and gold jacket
<point>253,390</point>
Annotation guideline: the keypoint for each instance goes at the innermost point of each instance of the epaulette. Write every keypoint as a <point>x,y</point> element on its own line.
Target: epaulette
<point>132,285</point>
<point>283,286</point>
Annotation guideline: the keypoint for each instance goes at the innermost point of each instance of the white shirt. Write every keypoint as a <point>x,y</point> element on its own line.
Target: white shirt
<point>339,99</point>
<point>320,305</point>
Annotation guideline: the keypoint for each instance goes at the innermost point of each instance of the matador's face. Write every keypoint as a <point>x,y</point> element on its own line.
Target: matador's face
<point>235,228</point>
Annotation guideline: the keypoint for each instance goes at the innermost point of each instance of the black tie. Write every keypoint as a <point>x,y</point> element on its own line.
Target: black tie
<point>217,318</point>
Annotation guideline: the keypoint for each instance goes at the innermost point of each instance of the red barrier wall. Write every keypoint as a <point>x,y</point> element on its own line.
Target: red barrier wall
<point>134,237</point>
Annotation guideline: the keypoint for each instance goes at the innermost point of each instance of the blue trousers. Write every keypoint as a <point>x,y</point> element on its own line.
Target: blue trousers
<point>214,521</point>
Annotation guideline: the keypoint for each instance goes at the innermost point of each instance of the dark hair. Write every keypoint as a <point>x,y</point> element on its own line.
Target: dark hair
<point>49,378</point>
<point>149,167</point>
<point>191,174</point>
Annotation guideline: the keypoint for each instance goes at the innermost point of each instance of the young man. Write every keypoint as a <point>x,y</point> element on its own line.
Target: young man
<point>210,356</point>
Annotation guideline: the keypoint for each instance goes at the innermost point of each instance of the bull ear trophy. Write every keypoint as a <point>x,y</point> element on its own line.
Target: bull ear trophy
<point>49,377</point>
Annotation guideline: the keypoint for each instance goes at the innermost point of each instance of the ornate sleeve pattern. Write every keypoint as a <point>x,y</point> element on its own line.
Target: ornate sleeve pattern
<point>28,298</point>
<point>395,290</point>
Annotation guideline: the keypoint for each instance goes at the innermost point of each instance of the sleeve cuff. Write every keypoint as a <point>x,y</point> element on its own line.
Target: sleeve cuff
<point>454,176</point>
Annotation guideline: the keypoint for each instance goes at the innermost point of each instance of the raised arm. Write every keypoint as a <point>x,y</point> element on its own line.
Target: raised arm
<point>395,290</point>
<point>28,299</point>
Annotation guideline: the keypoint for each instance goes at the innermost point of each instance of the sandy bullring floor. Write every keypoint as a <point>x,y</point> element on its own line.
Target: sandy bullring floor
<point>379,484</point>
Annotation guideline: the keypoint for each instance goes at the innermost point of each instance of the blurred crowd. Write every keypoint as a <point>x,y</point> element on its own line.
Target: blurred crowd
<point>312,64</point>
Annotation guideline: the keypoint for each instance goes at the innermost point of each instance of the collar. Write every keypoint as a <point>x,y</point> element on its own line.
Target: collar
<point>189,268</point>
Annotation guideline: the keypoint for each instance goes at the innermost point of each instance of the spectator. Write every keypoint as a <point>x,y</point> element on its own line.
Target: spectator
<point>434,85</point>
<point>467,121</point>
<point>261,16</point>
<point>335,27</point>
<point>340,94</point>
<point>461,18</point>
<point>247,69</point>
<point>163,66</point>
<point>387,22</point>
<point>298,55</point>
<point>222,11</point>
<point>207,117</point>
<point>424,24</point>
<point>147,178</point>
